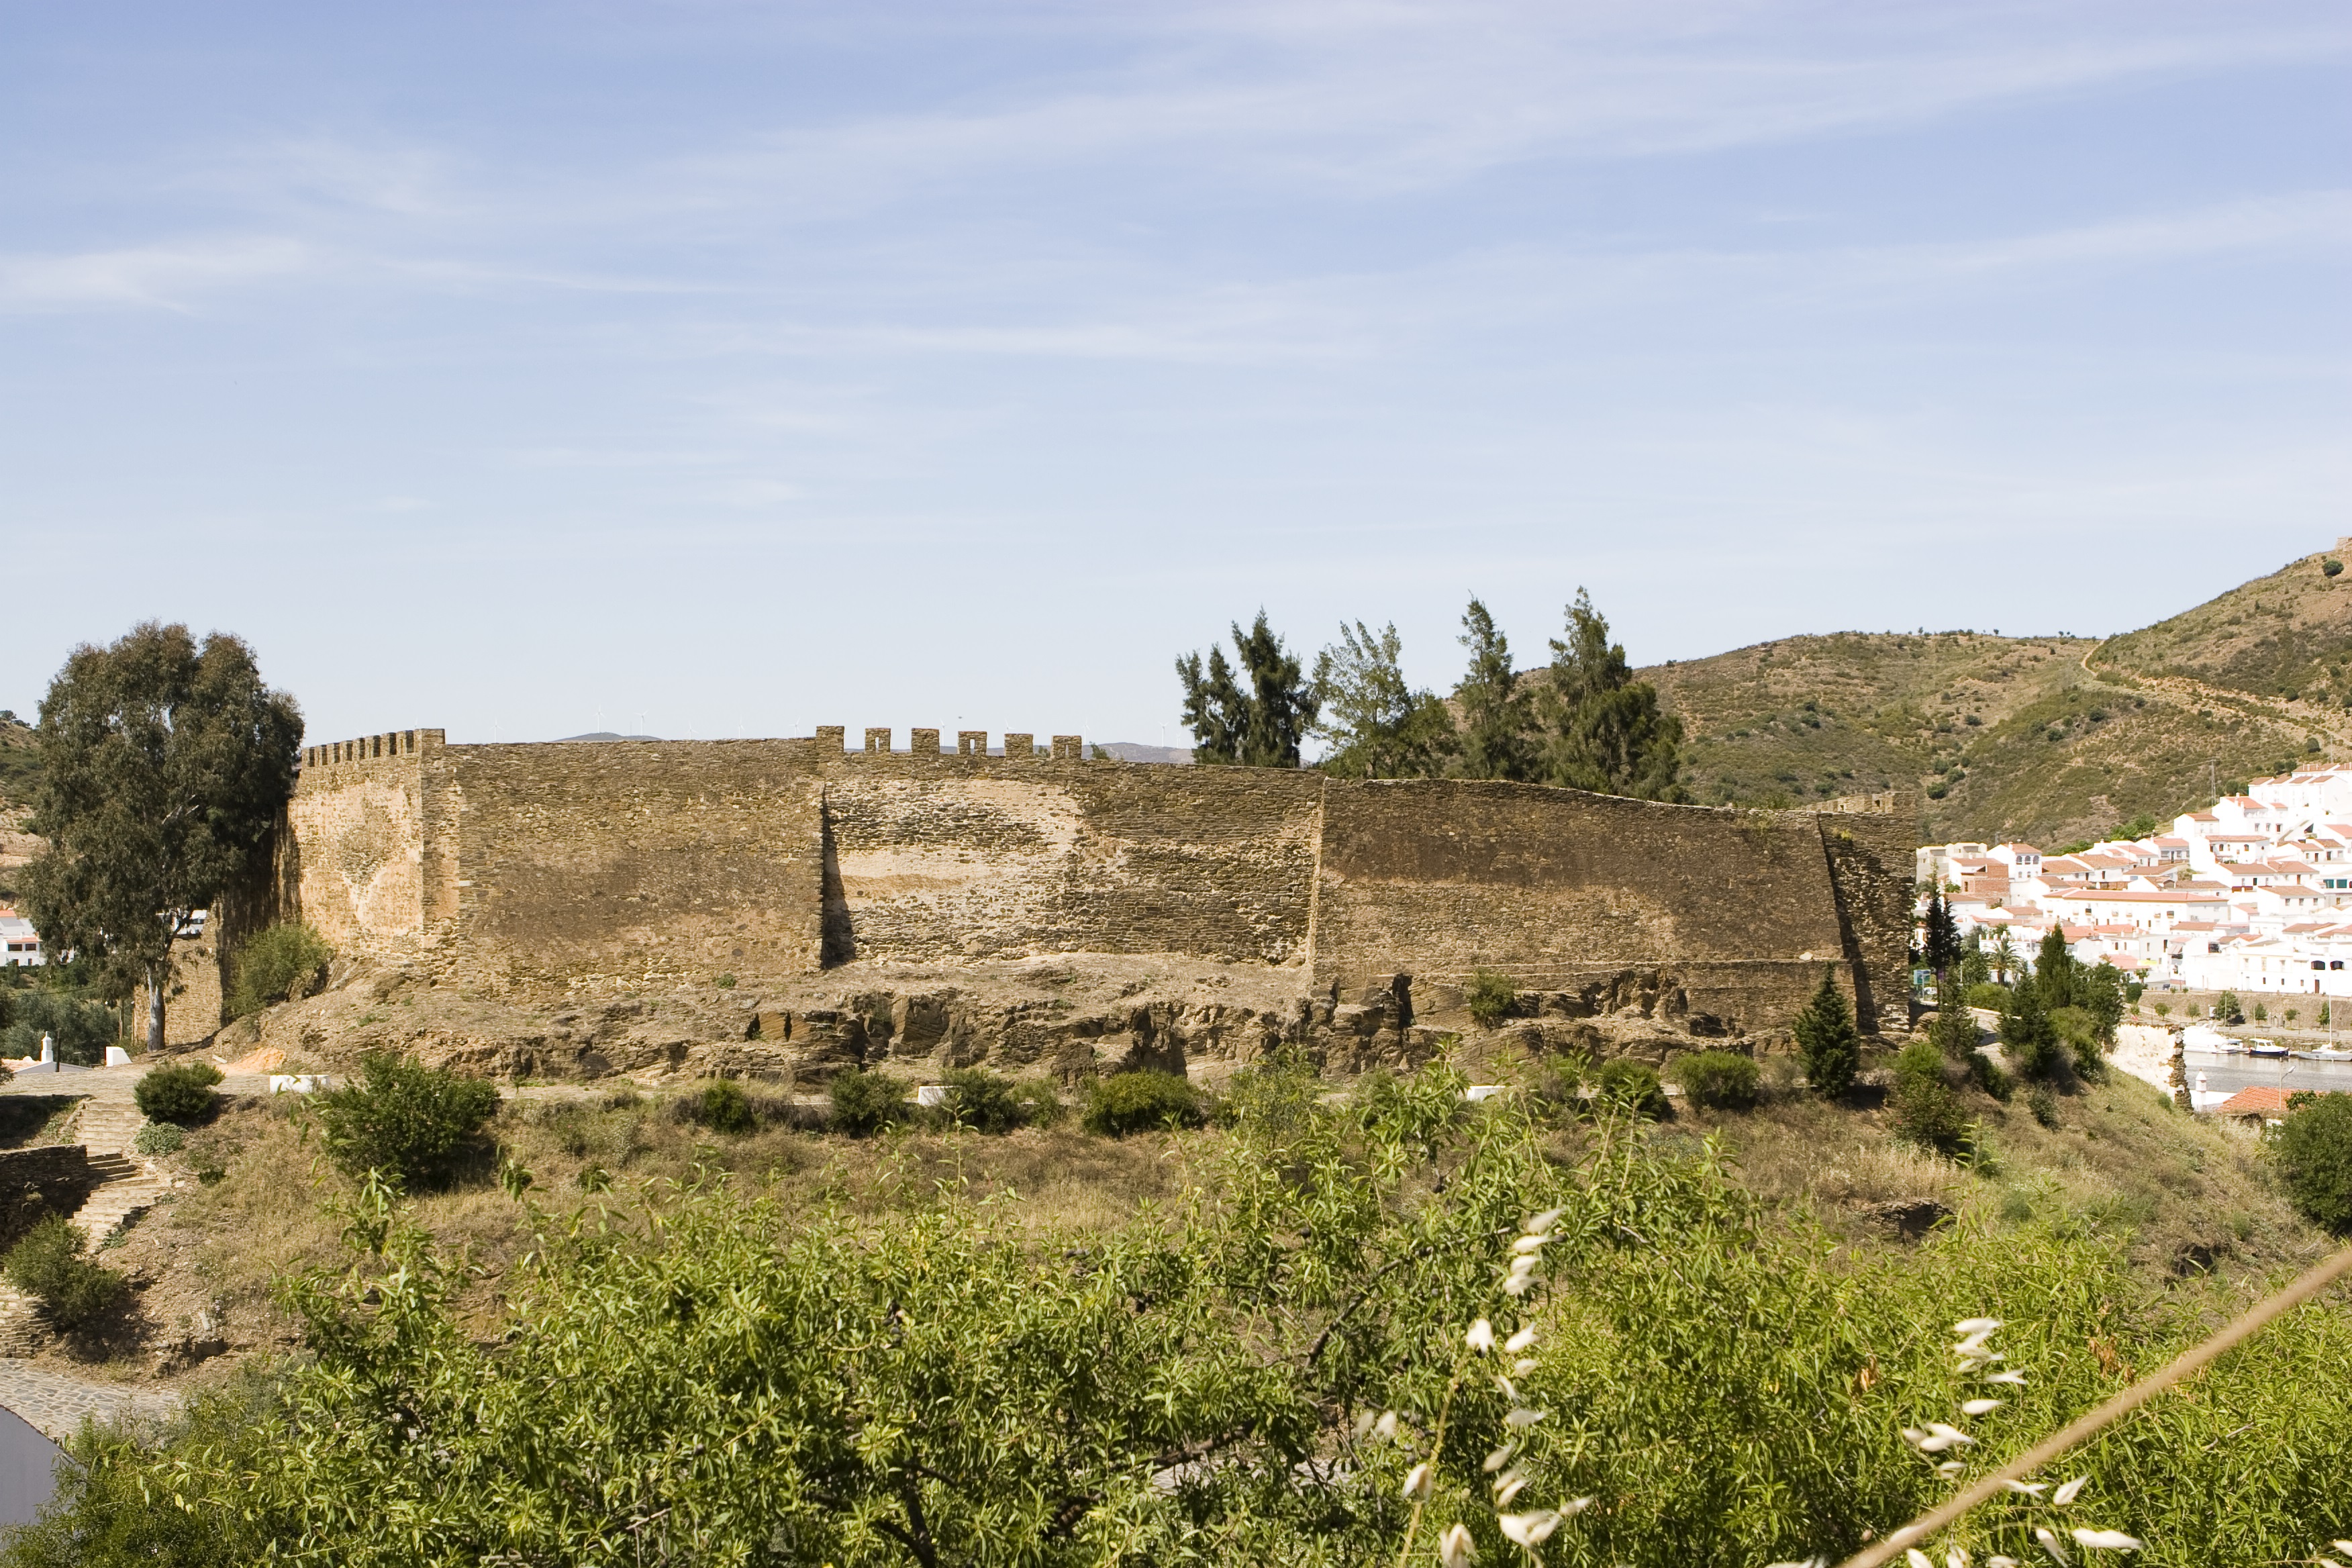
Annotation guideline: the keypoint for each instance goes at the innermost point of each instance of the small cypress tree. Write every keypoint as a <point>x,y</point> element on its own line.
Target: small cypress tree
<point>2053,970</point>
<point>1955,1033</point>
<point>1828,1041</point>
<point>1940,935</point>
<point>2027,1034</point>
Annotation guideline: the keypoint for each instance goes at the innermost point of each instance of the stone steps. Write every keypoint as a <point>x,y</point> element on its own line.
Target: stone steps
<point>18,1318</point>
<point>109,1129</point>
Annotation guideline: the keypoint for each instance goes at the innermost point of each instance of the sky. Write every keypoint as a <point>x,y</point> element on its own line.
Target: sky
<point>710,369</point>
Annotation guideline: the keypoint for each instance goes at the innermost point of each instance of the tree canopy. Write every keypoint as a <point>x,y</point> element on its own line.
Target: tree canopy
<point>1498,713</point>
<point>1260,726</point>
<point>1374,723</point>
<point>1602,730</point>
<point>163,765</point>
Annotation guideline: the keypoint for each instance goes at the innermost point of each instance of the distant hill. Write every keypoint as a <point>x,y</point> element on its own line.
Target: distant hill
<point>2046,739</point>
<point>1134,751</point>
<point>20,764</point>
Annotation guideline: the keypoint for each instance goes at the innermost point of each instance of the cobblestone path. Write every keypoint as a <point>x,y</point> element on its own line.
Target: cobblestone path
<point>55,1402</point>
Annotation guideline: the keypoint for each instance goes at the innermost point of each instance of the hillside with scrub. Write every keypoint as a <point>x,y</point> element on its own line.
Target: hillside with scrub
<point>2049,740</point>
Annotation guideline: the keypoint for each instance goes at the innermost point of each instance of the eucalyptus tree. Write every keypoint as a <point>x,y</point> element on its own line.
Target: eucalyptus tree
<point>164,763</point>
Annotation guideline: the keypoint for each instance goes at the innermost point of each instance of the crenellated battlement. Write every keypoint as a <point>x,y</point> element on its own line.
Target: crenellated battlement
<point>392,743</point>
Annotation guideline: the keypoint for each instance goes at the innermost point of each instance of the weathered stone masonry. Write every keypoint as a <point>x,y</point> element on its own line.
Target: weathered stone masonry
<point>594,866</point>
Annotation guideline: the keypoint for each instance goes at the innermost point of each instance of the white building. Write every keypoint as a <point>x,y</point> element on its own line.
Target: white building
<point>20,945</point>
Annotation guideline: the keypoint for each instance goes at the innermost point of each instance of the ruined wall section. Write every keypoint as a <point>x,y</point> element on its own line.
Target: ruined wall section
<point>1868,841</point>
<point>614,864</point>
<point>975,856</point>
<point>358,829</point>
<point>1569,892</point>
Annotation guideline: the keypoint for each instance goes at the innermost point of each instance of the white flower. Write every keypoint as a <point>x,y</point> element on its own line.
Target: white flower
<point>1808,1562</point>
<point>1530,1244</point>
<point>1917,1558</point>
<point>2014,1378</point>
<point>1955,1558</point>
<point>1364,1423</point>
<point>1541,1224</point>
<point>1524,1365</point>
<point>1913,1436</point>
<point>2344,1547</point>
<point>1940,1437</point>
<point>1417,1483</point>
<point>1518,1284</point>
<point>1522,1419</point>
<point>1529,1530</point>
<point>1509,1392</point>
<point>1385,1427</point>
<point>1974,1345</point>
<point>1574,1506</point>
<point>1949,1469</point>
<point>1521,1339</point>
<point>1454,1548</point>
<point>1508,1486</point>
<point>2000,1563</point>
<point>2070,1491</point>
<point>1481,1337</point>
<point>1979,1406</point>
<point>2030,1488</point>
<point>2107,1540</point>
<point>1525,1263</point>
<point>1968,1326</point>
<point>1499,1458</point>
<point>2049,1544</point>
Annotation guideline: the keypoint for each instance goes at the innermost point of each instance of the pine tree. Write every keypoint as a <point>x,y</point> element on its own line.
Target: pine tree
<point>1375,725</point>
<point>2027,1037</point>
<point>1260,727</point>
<point>1604,731</point>
<point>1827,1040</point>
<point>2055,969</point>
<point>1496,714</point>
<point>1940,935</point>
<point>1955,1033</point>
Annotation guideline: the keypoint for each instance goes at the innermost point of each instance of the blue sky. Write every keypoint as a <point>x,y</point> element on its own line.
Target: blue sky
<point>729,369</point>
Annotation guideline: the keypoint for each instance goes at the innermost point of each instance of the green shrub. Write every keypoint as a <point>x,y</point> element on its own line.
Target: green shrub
<point>1489,997</point>
<point>865,1102</point>
<point>48,1266</point>
<point>1986,1074</point>
<point>1039,1106</point>
<point>2313,1151</point>
<point>2028,1038</point>
<point>1925,1110</point>
<point>1140,1101</point>
<point>2042,1101</point>
<point>2261,1013</point>
<point>1987,995</point>
<point>178,1091</point>
<point>277,965</point>
<point>1632,1086</point>
<point>983,1100</point>
<point>2226,1009</point>
<point>2164,1010</point>
<point>80,1031</point>
<point>412,1123</point>
<point>2331,566</point>
<point>1720,1080</point>
<point>158,1138</point>
<point>1828,1040</point>
<point>723,1107</point>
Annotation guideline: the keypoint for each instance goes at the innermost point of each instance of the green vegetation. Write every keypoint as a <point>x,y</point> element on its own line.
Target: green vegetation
<point>179,1092</point>
<point>1926,1109</point>
<point>2314,1151</point>
<point>1489,996</point>
<point>864,1103</point>
<point>1719,1081</point>
<point>723,1107</point>
<point>48,1266</point>
<point>410,1124</point>
<point>2226,1009</point>
<point>163,765</point>
<point>1623,1084</point>
<point>158,1137</point>
<point>1374,725</point>
<point>1260,727</point>
<point>1141,1101</point>
<point>990,1103</point>
<point>282,962</point>
<point>1319,1295</point>
<point>1827,1041</point>
<point>1603,729</point>
<point>80,1030</point>
<point>1497,708</point>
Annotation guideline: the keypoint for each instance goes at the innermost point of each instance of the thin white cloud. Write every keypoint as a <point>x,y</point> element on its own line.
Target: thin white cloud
<point>161,276</point>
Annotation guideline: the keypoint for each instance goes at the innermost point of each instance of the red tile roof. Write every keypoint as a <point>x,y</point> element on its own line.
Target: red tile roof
<point>2262,1099</point>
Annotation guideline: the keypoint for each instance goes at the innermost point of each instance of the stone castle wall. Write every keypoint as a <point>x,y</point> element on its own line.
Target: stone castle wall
<point>594,866</point>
